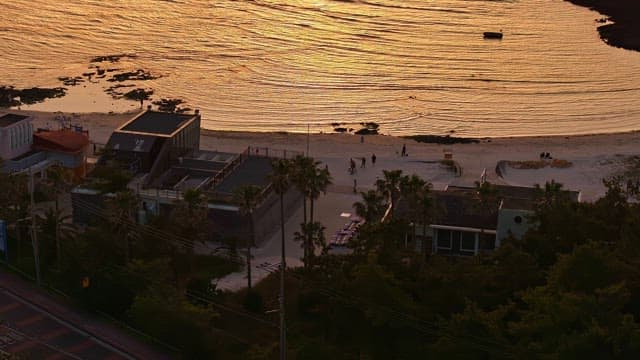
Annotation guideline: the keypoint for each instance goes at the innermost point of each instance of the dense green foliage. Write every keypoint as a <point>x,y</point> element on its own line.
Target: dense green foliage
<point>570,288</point>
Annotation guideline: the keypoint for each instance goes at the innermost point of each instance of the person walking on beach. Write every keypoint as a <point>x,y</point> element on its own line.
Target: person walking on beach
<point>363,162</point>
<point>352,166</point>
<point>404,150</point>
<point>373,159</point>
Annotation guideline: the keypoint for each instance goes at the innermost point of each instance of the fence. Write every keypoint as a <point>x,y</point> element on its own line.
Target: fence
<point>273,153</point>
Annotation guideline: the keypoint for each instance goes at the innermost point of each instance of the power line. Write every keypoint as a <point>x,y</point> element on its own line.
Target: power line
<point>198,296</point>
<point>417,323</point>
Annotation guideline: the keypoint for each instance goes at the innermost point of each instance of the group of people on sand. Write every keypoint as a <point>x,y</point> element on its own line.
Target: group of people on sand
<point>545,155</point>
<point>363,163</point>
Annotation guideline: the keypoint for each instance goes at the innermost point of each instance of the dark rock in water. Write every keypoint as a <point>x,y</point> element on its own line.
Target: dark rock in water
<point>369,128</point>
<point>112,58</point>
<point>35,95</point>
<point>9,95</point>
<point>492,35</point>
<point>169,105</point>
<point>437,139</point>
<point>138,94</point>
<point>71,81</point>
<point>114,92</point>
<point>367,131</point>
<point>139,74</point>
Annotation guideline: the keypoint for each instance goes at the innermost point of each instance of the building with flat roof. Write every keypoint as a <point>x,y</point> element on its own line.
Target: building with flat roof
<point>15,135</point>
<point>161,152</point>
<point>65,147</point>
<point>464,227</point>
<point>154,138</point>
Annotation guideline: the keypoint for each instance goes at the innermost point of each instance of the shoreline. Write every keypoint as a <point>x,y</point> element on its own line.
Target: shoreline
<point>592,157</point>
<point>100,119</point>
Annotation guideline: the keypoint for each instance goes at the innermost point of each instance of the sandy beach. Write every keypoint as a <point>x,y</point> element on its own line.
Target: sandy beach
<point>593,157</point>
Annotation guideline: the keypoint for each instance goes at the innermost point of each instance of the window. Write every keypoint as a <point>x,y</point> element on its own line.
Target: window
<point>444,239</point>
<point>487,241</point>
<point>468,241</point>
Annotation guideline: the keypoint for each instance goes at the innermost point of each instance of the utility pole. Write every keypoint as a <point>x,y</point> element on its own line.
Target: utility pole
<point>308,135</point>
<point>34,233</point>
<point>283,330</point>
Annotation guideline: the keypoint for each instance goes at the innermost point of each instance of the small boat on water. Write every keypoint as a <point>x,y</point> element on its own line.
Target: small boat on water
<point>492,35</point>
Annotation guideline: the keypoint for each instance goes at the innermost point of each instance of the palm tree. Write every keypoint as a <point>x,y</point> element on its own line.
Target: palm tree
<point>410,186</point>
<point>390,187</point>
<point>551,195</point>
<point>318,183</point>
<point>487,199</point>
<point>189,221</point>
<point>372,206</point>
<point>54,222</point>
<point>194,215</point>
<point>303,168</point>
<point>122,209</point>
<point>424,207</point>
<point>59,182</point>
<point>248,198</point>
<point>311,233</point>
<point>280,179</point>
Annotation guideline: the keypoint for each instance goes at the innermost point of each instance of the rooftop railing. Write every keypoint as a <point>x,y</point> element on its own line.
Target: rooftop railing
<point>273,153</point>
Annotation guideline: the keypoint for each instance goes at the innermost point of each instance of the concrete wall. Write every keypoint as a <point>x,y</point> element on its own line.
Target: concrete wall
<point>187,139</point>
<point>267,218</point>
<point>268,215</point>
<point>512,222</point>
<point>16,139</point>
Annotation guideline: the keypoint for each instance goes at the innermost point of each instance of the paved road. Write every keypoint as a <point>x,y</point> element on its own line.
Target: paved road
<point>30,332</point>
<point>38,325</point>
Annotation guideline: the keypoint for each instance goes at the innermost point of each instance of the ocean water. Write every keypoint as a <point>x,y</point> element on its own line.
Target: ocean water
<point>413,66</point>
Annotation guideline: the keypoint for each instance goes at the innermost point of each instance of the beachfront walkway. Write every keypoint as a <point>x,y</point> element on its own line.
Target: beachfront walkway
<point>339,199</point>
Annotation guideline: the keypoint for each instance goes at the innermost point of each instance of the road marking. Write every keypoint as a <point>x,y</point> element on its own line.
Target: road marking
<point>9,307</point>
<point>67,324</point>
<point>29,320</point>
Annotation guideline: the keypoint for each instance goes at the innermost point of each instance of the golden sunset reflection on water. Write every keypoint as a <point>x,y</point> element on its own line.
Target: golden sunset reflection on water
<point>414,66</point>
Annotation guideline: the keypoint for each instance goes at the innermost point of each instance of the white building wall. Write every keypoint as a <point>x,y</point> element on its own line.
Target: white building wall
<point>512,222</point>
<point>16,139</point>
